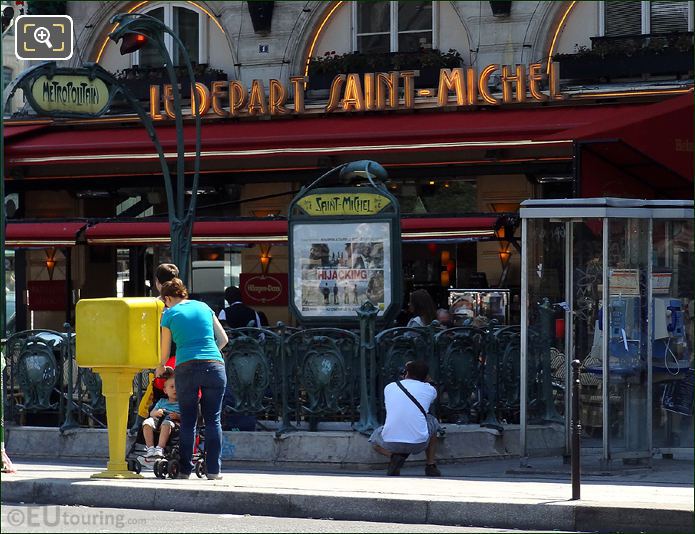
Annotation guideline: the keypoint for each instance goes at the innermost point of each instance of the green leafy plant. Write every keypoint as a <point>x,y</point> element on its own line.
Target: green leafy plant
<point>632,46</point>
<point>159,74</point>
<point>332,64</point>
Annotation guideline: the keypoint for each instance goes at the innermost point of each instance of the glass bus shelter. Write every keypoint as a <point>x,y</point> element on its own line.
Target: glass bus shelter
<point>609,282</point>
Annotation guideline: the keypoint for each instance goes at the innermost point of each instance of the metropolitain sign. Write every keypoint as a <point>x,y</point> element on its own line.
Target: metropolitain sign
<point>371,91</point>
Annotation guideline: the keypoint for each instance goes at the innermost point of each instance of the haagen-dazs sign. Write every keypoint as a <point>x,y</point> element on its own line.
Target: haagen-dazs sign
<point>264,289</point>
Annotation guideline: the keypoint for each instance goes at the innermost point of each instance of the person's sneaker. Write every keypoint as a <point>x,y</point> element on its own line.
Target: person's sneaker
<point>431,470</point>
<point>395,464</point>
<point>158,451</point>
<point>214,476</point>
<point>150,452</point>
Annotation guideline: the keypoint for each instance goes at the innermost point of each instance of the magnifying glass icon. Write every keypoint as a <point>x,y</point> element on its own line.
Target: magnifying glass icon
<point>43,36</point>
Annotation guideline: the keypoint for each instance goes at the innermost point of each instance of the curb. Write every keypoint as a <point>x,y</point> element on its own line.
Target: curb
<point>560,515</point>
<point>333,449</point>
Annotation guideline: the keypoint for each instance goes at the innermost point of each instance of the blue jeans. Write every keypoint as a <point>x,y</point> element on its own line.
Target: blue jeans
<point>210,377</point>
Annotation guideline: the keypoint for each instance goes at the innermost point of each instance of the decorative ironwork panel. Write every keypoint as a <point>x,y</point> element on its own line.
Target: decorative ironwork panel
<point>90,392</point>
<point>460,352</point>
<point>503,362</point>
<point>325,369</point>
<point>397,346</point>
<point>394,348</point>
<point>87,386</point>
<point>37,375</point>
<point>34,371</point>
<point>252,364</point>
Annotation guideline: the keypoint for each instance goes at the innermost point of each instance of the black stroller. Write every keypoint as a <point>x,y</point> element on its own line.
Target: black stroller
<point>169,464</point>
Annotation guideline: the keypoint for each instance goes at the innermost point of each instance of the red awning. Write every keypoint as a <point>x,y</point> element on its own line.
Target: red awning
<point>251,232</point>
<point>42,234</point>
<point>317,135</point>
<point>11,131</point>
<point>204,232</point>
<point>638,151</point>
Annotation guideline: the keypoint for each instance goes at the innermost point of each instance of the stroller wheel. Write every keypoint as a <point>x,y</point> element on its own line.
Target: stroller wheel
<point>157,469</point>
<point>134,465</point>
<point>163,468</point>
<point>200,468</point>
<point>173,468</point>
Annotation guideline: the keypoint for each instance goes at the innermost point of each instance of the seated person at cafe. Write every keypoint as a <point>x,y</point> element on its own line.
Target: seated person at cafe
<point>237,314</point>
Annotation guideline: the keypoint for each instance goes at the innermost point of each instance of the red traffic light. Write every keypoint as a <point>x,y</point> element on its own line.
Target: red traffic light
<point>132,42</point>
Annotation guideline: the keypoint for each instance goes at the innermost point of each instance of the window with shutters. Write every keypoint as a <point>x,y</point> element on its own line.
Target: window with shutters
<point>620,18</point>
<point>623,18</point>
<point>668,17</point>
<point>382,27</point>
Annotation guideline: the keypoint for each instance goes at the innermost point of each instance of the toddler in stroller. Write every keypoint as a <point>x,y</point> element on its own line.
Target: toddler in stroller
<point>163,418</point>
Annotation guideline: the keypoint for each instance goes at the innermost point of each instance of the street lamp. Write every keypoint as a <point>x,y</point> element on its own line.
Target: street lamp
<point>135,30</point>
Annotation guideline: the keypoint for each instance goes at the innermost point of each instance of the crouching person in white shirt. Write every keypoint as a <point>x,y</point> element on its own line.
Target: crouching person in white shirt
<point>409,429</point>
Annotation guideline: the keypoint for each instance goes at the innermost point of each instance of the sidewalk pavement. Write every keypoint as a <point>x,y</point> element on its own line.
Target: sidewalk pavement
<point>493,493</point>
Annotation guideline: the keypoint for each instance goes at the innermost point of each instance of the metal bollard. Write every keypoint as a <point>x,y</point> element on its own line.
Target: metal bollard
<point>286,425</point>
<point>368,371</point>
<point>576,430</point>
<point>69,422</point>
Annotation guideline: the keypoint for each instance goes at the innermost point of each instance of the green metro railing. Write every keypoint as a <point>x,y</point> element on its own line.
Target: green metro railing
<point>312,375</point>
<point>42,381</point>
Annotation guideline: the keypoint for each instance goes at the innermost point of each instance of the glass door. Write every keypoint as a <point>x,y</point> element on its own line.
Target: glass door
<point>625,374</point>
<point>587,279</point>
<point>544,372</point>
<point>672,332</point>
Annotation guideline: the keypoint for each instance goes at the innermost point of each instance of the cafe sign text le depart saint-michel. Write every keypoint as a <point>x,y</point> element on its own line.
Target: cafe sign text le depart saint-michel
<point>378,91</point>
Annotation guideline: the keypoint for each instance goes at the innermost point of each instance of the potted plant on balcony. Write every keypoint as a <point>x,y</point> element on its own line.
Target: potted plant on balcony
<point>138,79</point>
<point>324,68</point>
<point>428,62</point>
<point>629,57</point>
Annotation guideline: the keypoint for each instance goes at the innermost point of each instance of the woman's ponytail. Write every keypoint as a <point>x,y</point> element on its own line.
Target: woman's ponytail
<point>174,288</point>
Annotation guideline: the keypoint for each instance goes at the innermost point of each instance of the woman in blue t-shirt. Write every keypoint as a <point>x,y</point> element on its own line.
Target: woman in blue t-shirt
<point>199,336</point>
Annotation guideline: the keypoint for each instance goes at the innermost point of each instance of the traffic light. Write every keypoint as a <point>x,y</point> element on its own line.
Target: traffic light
<point>132,42</point>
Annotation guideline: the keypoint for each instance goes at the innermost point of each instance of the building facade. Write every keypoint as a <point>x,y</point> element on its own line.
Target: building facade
<point>472,107</point>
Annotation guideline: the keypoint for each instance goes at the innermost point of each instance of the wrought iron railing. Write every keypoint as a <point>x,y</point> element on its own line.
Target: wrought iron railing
<point>305,376</point>
<point>44,386</point>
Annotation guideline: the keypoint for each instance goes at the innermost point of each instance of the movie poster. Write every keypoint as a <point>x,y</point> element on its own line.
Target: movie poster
<point>337,267</point>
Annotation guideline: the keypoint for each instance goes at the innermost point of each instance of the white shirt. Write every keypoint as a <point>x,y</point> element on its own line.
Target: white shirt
<point>414,323</point>
<point>404,421</point>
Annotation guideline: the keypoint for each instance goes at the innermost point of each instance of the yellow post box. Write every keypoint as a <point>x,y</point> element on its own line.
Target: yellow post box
<point>118,337</point>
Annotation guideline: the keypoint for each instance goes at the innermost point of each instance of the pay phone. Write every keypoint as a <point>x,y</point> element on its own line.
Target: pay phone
<point>669,336</point>
<point>624,334</point>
